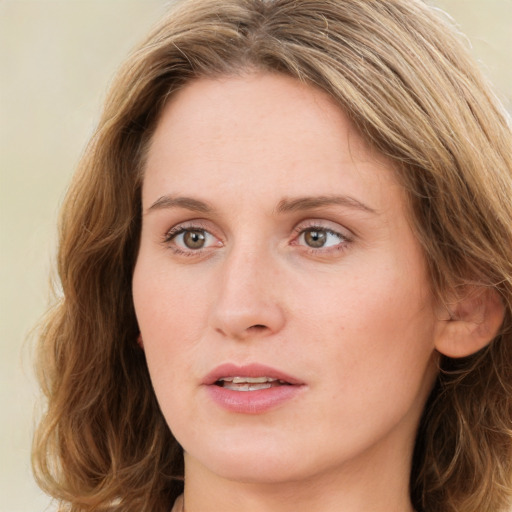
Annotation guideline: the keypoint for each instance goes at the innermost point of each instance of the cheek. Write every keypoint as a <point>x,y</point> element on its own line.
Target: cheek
<point>373,345</point>
<point>375,327</point>
<point>163,301</point>
<point>171,317</point>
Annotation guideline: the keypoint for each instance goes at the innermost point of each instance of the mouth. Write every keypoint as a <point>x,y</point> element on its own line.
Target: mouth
<point>251,389</point>
<point>250,383</point>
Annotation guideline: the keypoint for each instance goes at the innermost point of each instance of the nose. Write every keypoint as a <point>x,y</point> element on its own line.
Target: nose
<point>247,304</point>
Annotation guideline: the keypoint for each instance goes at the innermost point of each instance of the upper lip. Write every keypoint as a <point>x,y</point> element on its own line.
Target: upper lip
<point>248,370</point>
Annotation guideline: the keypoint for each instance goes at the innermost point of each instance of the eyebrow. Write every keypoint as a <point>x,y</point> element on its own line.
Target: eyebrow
<point>312,202</point>
<point>284,206</point>
<point>187,203</point>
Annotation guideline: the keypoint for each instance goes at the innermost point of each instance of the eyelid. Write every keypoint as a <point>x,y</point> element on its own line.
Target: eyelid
<point>184,226</point>
<point>326,225</point>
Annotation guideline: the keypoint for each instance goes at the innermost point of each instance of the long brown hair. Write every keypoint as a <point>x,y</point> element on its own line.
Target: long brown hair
<point>400,73</point>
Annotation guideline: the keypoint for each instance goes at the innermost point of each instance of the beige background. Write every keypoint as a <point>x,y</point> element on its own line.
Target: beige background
<point>56,58</point>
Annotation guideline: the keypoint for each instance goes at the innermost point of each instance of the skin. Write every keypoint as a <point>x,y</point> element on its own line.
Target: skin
<point>353,320</point>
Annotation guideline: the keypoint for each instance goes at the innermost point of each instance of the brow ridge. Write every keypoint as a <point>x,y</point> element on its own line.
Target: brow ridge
<point>188,203</point>
<point>289,205</point>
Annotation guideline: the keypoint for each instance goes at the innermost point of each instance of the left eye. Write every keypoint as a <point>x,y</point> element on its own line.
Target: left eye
<point>192,239</point>
<point>318,238</point>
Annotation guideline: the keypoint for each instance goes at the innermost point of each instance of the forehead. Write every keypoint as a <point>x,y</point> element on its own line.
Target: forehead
<point>261,127</point>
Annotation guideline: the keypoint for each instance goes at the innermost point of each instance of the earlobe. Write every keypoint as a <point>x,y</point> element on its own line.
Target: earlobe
<point>474,321</point>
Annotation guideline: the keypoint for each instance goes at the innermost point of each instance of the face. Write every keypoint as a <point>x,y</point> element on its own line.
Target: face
<point>281,295</point>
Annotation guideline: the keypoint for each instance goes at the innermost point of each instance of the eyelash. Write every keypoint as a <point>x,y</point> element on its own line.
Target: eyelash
<point>298,231</point>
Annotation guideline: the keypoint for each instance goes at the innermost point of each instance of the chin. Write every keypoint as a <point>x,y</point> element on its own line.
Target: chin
<point>259,463</point>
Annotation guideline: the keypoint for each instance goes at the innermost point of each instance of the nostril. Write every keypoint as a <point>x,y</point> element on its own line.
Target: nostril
<point>258,327</point>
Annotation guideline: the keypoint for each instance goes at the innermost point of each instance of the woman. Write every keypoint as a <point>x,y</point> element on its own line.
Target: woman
<point>286,264</point>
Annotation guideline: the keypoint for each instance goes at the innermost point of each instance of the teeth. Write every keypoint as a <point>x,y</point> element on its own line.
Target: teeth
<point>249,383</point>
<point>252,380</point>
<point>247,386</point>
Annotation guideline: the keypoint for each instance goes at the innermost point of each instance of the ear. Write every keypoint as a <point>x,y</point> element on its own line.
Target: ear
<point>474,321</point>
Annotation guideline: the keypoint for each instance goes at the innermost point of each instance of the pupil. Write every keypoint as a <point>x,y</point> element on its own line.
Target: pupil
<point>194,239</point>
<point>315,238</point>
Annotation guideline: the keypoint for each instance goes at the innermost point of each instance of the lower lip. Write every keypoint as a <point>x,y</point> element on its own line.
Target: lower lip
<point>252,402</point>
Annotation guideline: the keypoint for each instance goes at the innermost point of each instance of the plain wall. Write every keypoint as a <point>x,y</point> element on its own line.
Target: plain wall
<point>56,60</point>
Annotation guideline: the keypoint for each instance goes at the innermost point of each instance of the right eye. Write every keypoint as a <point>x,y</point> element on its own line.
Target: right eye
<point>190,240</point>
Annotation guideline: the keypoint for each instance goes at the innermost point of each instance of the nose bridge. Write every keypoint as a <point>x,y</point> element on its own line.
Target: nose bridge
<point>247,300</point>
